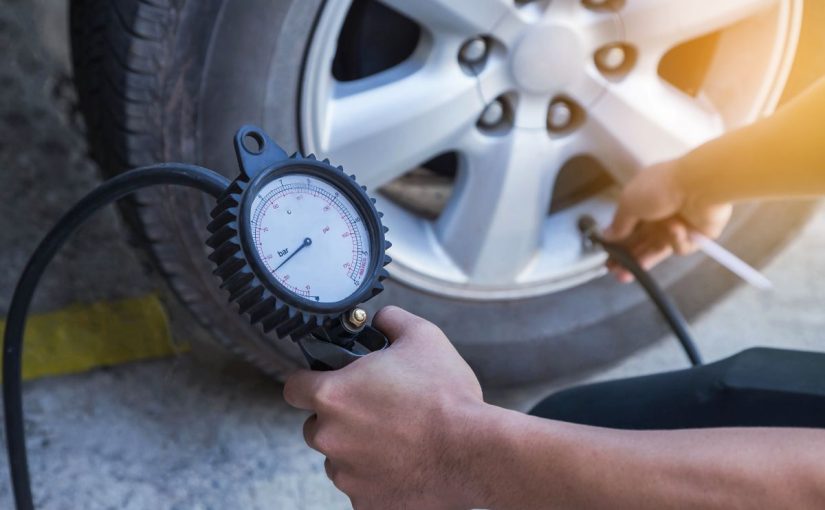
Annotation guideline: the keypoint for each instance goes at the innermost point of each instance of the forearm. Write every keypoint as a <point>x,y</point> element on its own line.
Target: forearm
<point>780,156</point>
<point>536,463</point>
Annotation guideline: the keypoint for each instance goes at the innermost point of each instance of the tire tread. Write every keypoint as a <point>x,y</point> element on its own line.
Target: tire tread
<point>120,51</point>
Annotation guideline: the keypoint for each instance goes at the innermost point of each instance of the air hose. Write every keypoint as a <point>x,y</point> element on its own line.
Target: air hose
<point>110,191</point>
<point>666,306</point>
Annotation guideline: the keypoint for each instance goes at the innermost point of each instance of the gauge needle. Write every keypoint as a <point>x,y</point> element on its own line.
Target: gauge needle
<point>306,243</point>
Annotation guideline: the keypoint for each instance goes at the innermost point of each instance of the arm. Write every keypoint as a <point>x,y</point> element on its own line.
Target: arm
<point>537,464</point>
<point>407,428</point>
<point>778,157</point>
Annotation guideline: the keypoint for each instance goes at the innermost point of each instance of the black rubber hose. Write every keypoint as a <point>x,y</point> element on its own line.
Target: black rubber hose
<point>666,306</point>
<point>114,189</point>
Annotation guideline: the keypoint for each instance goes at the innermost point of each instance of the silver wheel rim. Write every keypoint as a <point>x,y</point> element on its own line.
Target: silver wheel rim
<point>495,239</point>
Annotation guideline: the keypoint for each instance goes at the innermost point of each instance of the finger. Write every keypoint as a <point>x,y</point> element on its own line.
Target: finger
<point>396,322</point>
<point>330,470</point>
<point>625,276</point>
<point>617,271</point>
<point>652,258</point>
<point>642,249</point>
<point>680,239</point>
<point>643,245</point>
<point>649,244</point>
<point>648,236</point>
<point>301,388</point>
<point>622,275</point>
<point>310,430</point>
<point>632,246</point>
<point>624,222</point>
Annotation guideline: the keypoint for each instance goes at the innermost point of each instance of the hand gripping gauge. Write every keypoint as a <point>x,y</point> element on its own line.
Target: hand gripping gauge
<point>299,245</point>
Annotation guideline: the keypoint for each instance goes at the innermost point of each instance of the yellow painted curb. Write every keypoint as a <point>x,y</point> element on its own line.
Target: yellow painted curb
<point>85,336</point>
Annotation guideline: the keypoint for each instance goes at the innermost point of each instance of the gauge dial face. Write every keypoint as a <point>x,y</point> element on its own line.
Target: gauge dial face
<point>311,238</point>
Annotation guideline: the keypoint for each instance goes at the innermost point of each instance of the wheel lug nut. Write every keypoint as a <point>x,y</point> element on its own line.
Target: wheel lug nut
<point>615,60</point>
<point>474,51</point>
<point>559,116</point>
<point>603,5</point>
<point>611,58</point>
<point>493,114</point>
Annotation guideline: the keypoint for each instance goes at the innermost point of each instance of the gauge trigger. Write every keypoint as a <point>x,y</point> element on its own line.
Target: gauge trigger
<point>325,355</point>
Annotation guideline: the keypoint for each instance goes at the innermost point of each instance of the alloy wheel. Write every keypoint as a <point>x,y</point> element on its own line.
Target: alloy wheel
<point>524,97</point>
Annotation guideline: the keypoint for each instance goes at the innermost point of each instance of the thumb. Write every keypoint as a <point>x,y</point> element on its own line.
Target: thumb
<point>624,222</point>
<point>397,323</point>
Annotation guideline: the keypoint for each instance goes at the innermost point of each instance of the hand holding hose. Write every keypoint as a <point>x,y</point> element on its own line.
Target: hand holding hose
<point>656,215</point>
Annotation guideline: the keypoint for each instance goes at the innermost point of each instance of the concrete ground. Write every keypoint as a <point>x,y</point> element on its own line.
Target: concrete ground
<point>201,431</point>
<point>44,168</point>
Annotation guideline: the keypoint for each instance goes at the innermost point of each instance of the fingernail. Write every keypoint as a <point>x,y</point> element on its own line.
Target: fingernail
<point>623,275</point>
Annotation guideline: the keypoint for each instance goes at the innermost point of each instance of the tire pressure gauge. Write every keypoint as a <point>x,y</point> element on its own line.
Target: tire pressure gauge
<point>299,245</point>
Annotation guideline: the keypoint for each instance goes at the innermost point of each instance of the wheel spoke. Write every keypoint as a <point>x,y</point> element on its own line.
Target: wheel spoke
<point>493,223</point>
<point>380,128</point>
<point>464,17</point>
<point>658,121</point>
<point>510,27</point>
<point>531,112</point>
<point>655,26</point>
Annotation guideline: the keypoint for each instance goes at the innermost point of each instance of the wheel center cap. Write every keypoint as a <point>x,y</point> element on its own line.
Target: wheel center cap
<point>546,59</point>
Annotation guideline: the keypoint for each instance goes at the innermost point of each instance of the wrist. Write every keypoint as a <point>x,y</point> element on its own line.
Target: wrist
<point>486,444</point>
<point>682,182</point>
<point>688,185</point>
<point>695,181</point>
<point>473,452</point>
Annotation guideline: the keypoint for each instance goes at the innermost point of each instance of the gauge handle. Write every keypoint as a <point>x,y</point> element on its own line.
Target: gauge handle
<point>324,355</point>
